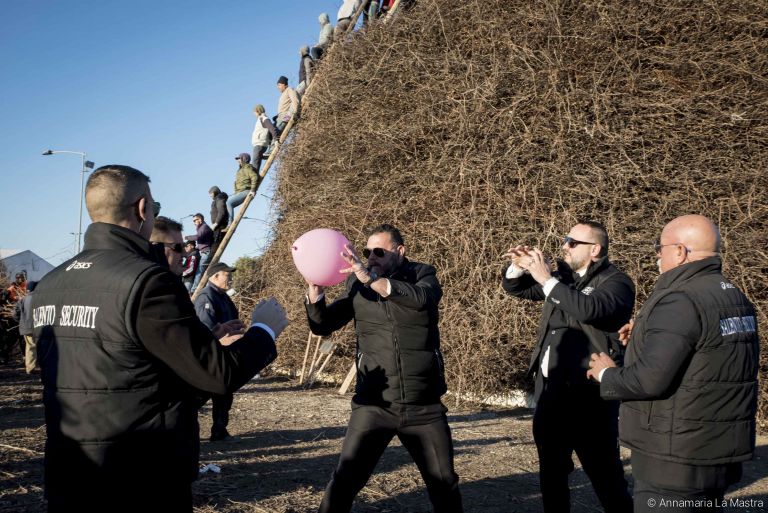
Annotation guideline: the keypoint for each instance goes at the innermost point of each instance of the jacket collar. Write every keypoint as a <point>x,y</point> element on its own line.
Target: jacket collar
<point>399,269</point>
<point>593,268</point>
<point>686,271</point>
<point>105,236</point>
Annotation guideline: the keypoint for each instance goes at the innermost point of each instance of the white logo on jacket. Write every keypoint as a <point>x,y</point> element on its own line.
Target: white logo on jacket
<point>587,290</point>
<point>79,265</point>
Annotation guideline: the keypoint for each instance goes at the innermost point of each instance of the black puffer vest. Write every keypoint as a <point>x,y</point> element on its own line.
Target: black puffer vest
<point>709,418</point>
<point>398,348</point>
<point>109,404</point>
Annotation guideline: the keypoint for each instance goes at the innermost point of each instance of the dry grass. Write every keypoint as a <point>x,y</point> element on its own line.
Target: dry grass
<point>476,125</point>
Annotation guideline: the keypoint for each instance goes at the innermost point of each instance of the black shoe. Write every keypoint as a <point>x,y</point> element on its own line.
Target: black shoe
<point>219,436</point>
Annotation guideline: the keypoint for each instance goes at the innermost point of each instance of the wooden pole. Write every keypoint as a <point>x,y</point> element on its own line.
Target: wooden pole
<point>348,380</point>
<point>306,354</point>
<point>241,212</point>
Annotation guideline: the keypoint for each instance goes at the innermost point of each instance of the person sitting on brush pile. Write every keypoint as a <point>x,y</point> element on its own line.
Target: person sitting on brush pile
<point>263,131</point>
<point>306,65</point>
<point>344,17</point>
<point>326,36</point>
<point>246,182</point>
<point>287,106</point>
<point>219,216</point>
<point>190,263</point>
<point>23,315</point>
<point>370,12</point>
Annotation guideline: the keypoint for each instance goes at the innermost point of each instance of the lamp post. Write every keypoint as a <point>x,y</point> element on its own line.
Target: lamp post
<point>87,164</point>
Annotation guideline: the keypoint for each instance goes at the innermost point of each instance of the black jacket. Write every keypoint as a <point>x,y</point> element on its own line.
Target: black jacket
<point>690,382</point>
<point>581,315</point>
<point>213,306</point>
<point>398,341</point>
<point>219,214</point>
<point>123,357</point>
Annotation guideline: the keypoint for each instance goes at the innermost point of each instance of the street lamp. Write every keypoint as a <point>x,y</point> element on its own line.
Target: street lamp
<point>87,164</point>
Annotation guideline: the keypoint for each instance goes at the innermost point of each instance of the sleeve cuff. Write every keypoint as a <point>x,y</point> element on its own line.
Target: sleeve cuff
<point>265,328</point>
<point>321,296</point>
<point>389,287</point>
<point>549,285</point>
<point>600,375</point>
<point>513,272</point>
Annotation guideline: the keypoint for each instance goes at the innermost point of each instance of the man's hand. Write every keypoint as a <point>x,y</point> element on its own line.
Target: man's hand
<point>625,332</point>
<point>314,292</point>
<point>269,312</point>
<point>233,327</point>
<point>229,339</point>
<point>537,265</point>
<point>251,194</point>
<point>516,253</point>
<point>363,275</point>
<point>597,363</point>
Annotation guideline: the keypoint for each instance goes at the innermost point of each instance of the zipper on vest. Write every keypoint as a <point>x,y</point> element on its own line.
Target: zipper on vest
<point>396,345</point>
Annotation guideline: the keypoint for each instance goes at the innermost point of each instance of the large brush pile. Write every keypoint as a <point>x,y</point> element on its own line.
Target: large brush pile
<point>476,125</point>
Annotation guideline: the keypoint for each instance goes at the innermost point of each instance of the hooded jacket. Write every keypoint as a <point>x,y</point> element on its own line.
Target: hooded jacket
<point>326,31</point>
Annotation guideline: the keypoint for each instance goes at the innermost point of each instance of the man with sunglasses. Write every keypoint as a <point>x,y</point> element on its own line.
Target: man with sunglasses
<point>400,373</point>
<point>166,235</point>
<point>586,301</point>
<point>689,384</point>
<point>124,359</point>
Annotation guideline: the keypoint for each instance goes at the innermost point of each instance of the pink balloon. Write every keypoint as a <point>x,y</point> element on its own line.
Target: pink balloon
<point>317,255</point>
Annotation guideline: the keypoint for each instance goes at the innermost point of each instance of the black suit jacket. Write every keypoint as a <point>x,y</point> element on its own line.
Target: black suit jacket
<point>594,307</point>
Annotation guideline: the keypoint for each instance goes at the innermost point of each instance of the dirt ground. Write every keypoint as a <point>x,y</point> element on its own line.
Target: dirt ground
<point>287,443</point>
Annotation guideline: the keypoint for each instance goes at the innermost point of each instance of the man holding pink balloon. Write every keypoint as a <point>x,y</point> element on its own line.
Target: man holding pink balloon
<point>400,371</point>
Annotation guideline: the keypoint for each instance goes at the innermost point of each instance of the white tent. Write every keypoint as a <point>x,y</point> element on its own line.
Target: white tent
<point>17,260</point>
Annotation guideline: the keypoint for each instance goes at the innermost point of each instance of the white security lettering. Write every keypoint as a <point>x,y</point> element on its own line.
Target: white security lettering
<point>733,325</point>
<point>44,315</point>
<point>78,316</point>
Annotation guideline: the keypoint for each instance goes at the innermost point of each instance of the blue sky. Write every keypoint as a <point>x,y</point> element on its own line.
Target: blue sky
<point>167,87</point>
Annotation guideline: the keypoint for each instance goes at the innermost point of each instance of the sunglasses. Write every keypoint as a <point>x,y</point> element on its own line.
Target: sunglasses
<point>379,252</point>
<point>572,243</point>
<point>176,247</point>
<point>156,208</point>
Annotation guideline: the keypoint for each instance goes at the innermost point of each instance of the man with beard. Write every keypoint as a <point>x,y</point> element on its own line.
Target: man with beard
<point>400,374</point>
<point>586,302</point>
<point>689,384</point>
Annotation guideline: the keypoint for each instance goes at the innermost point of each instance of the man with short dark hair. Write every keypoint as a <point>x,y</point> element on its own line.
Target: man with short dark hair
<point>167,234</point>
<point>219,216</point>
<point>204,238</point>
<point>586,302</point>
<point>123,359</point>
<point>191,263</point>
<point>400,374</point>
<point>689,383</point>
<point>287,106</point>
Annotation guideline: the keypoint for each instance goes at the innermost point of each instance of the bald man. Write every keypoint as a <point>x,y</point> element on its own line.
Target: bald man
<point>689,381</point>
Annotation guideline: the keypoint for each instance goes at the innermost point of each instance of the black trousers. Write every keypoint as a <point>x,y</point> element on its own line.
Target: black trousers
<point>423,431</point>
<point>575,418</point>
<point>221,404</point>
<point>651,498</point>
